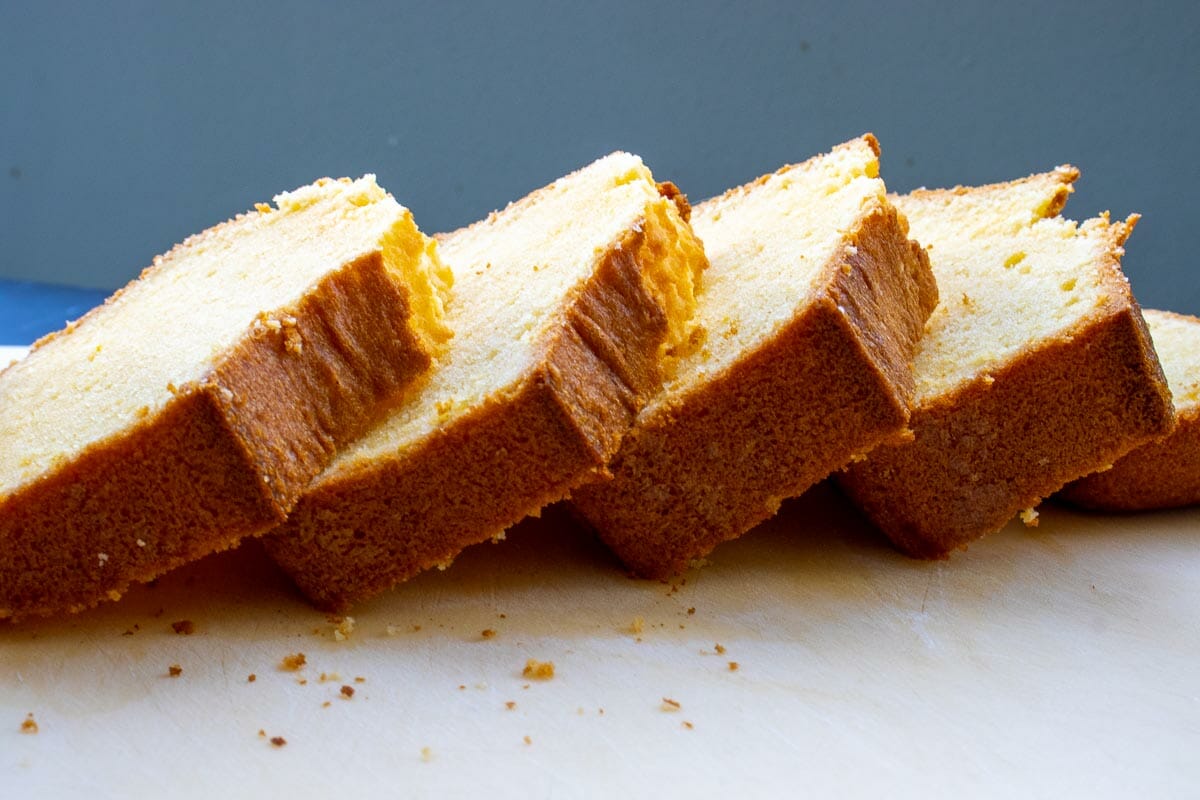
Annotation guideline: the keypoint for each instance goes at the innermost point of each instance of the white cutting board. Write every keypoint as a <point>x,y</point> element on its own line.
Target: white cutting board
<point>1058,661</point>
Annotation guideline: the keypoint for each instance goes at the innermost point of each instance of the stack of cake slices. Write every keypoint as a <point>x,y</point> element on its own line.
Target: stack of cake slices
<point>373,400</point>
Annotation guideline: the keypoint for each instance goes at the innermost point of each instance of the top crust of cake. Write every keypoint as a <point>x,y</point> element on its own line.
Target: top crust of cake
<point>128,359</point>
<point>786,225</point>
<point>516,272</point>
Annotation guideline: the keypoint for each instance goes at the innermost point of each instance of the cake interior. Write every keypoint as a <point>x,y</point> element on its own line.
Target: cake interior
<point>1177,341</point>
<point>514,272</point>
<point>767,243</point>
<point>1009,277</point>
<point>123,362</point>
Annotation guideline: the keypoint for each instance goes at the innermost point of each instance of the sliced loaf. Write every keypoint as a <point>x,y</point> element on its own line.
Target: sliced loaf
<point>192,408</point>
<point>1163,474</point>
<point>565,306</point>
<point>811,310</point>
<point>1036,367</point>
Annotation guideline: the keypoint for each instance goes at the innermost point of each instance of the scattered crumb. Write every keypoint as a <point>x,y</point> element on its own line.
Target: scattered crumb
<point>688,725</point>
<point>502,616</point>
<point>691,611</point>
<point>184,627</point>
<point>174,671</point>
<point>302,681</point>
<point>426,755</point>
<point>325,677</point>
<point>638,625</point>
<point>539,670</point>
<point>462,687</point>
<point>1030,517</point>
<point>262,734</point>
<point>528,740</point>
<point>347,691</point>
<point>251,678</point>
<point>293,662</point>
<point>670,705</point>
<point>326,704</point>
<point>344,627</point>
<point>720,648</point>
<point>141,542</point>
<point>602,712</point>
<point>488,633</point>
<point>29,724</point>
<point>510,705</point>
<point>525,686</point>
<point>733,666</point>
<point>278,741</point>
<point>416,628</point>
<point>359,679</point>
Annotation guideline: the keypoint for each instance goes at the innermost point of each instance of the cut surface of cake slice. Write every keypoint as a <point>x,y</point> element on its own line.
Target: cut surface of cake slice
<point>812,306</point>
<point>192,408</point>
<point>567,307</point>
<point>1036,367</point>
<point>1163,474</point>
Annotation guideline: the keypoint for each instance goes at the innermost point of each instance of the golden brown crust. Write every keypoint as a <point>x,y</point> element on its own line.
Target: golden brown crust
<point>1006,440</point>
<point>356,534</point>
<point>226,458</point>
<point>833,383</point>
<point>1162,474</point>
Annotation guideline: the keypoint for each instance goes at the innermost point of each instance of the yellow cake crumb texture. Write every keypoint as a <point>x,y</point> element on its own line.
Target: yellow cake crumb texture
<point>161,334</point>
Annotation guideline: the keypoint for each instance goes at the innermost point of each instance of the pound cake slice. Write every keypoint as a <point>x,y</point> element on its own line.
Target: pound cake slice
<point>811,309</point>
<point>565,306</point>
<point>1163,474</point>
<point>1036,367</point>
<point>192,408</point>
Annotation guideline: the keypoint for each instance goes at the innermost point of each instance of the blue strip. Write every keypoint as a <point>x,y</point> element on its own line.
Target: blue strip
<point>31,310</point>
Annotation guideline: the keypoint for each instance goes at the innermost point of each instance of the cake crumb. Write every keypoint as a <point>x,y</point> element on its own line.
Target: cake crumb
<point>528,740</point>
<point>688,725</point>
<point>293,662</point>
<point>734,666</point>
<point>103,557</point>
<point>174,671</point>
<point>347,691</point>
<point>184,627</point>
<point>1030,517</point>
<point>325,677</point>
<point>720,648</point>
<point>691,611</point>
<point>426,754</point>
<point>262,734</point>
<point>670,705</point>
<point>326,704</point>
<point>278,741</point>
<point>539,670</point>
<point>462,687</point>
<point>638,625</point>
<point>502,616</point>
<point>29,724</point>
<point>251,678</point>
<point>302,681</point>
<point>510,705</point>
<point>141,542</point>
<point>488,633</point>
<point>359,679</point>
<point>344,627</point>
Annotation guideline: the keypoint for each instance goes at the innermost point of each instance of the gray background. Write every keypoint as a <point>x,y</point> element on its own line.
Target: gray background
<point>124,127</point>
